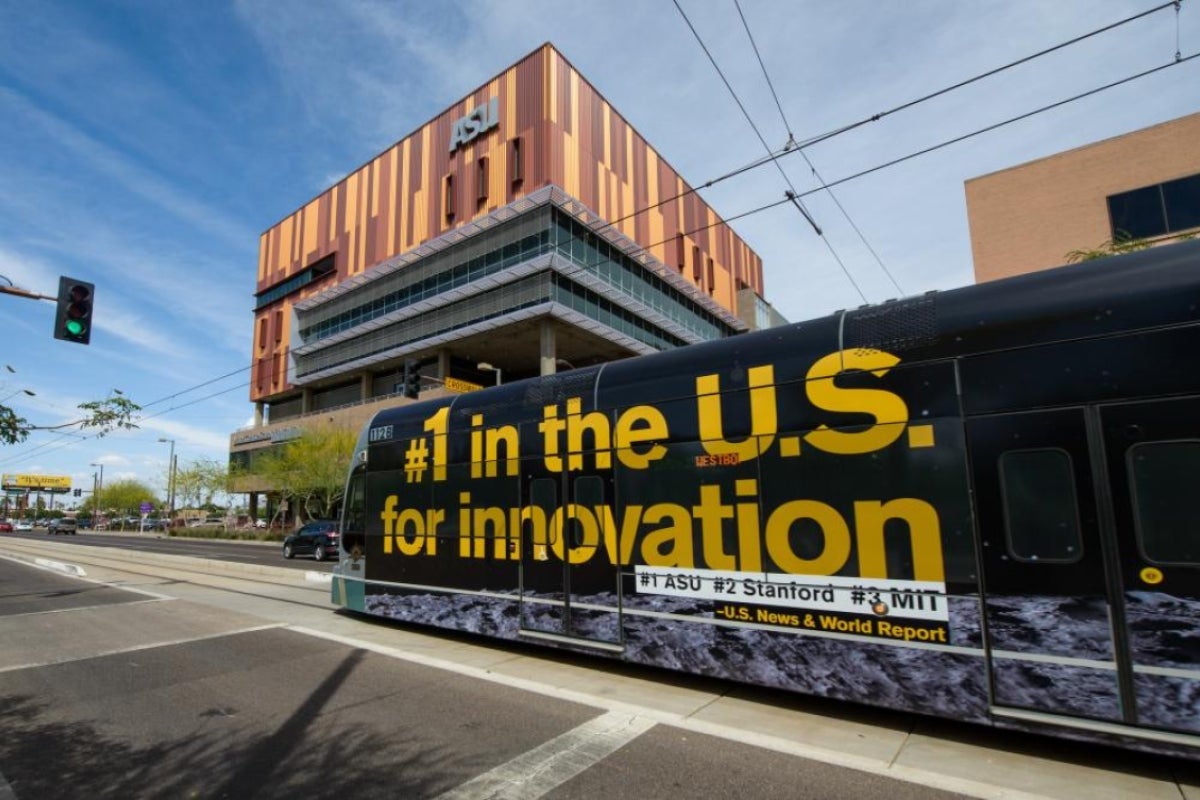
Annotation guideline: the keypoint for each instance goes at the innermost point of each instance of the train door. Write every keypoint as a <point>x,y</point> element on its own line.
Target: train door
<point>1152,456</point>
<point>1048,611</point>
<point>569,585</point>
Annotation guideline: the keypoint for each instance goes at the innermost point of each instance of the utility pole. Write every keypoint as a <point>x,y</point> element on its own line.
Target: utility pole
<point>170,480</point>
<point>96,496</point>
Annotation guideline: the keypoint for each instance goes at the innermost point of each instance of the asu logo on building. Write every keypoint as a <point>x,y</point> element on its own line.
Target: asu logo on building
<point>475,124</point>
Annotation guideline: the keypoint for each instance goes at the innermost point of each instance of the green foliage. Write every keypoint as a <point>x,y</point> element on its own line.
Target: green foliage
<point>221,532</point>
<point>104,416</point>
<point>309,472</point>
<point>13,429</point>
<point>100,416</point>
<point>125,496</point>
<point>1121,243</point>
<point>198,483</point>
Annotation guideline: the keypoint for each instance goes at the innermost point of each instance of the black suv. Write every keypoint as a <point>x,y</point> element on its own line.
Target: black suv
<point>319,537</point>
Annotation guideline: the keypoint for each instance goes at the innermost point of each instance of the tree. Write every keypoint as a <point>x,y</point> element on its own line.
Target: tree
<point>310,471</point>
<point>101,416</point>
<point>198,483</point>
<point>1121,243</point>
<point>125,496</point>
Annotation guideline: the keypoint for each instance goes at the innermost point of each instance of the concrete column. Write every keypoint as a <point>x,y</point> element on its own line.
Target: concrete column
<point>258,414</point>
<point>549,349</point>
<point>443,365</point>
<point>364,390</point>
<point>306,396</point>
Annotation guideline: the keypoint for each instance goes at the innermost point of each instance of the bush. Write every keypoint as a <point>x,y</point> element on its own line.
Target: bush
<point>221,532</point>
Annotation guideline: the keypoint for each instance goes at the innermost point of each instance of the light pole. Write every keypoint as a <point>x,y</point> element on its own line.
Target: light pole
<point>96,495</point>
<point>486,367</point>
<point>17,392</point>
<point>170,483</point>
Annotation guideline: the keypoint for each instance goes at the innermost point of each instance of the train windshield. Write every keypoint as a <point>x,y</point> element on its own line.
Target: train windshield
<point>354,514</point>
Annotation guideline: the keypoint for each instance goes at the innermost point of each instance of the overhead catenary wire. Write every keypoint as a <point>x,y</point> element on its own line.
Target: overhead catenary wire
<point>772,156</point>
<point>791,195</point>
<point>987,74</point>
<point>745,113</point>
<point>938,146</point>
<point>39,449</point>
<point>801,145</point>
<point>791,142</point>
<point>767,206</point>
<point>1003,123</point>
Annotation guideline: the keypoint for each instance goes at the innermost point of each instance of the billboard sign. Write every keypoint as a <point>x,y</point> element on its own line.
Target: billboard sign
<point>37,483</point>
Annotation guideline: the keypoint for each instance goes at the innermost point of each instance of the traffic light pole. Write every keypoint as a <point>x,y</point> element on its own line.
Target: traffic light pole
<point>19,292</point>
<point>73,318</point>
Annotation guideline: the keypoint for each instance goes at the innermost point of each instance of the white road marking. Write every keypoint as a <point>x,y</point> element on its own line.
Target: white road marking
<point>78,573</point>
<point>136,648</point>
<point>549,765</point>
<point>83,608</point>
<point>58,566</point>
<point>825,755</point>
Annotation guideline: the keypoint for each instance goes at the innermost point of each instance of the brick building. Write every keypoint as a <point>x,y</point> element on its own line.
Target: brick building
<point>1144,184</point>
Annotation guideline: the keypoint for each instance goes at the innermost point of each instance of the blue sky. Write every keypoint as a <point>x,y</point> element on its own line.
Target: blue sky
<point>146,145</point>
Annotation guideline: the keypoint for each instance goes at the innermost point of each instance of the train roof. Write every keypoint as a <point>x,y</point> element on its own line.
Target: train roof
<point>1144,290</point>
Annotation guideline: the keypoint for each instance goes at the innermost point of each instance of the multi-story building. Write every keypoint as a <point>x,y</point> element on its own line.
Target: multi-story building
<point>1142,185</point>
<point>527,227</point>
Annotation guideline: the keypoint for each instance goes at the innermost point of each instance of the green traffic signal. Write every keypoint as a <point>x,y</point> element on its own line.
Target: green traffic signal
<point>72,323</point>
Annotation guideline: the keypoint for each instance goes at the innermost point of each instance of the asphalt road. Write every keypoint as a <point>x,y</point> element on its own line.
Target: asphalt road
<point>119,692</point>
<point>243,552</point>
<point>229,675</point>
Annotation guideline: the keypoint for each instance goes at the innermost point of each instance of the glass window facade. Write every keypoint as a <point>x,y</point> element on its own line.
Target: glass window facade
<point>315,271</point>
<point>590,276</point>
<point>1157,210</point>
<point>547,230</point>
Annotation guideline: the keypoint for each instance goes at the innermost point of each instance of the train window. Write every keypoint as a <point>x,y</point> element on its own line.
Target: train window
<point>1041,517</point>
<point>1163,483</point>
<point>353,514</point>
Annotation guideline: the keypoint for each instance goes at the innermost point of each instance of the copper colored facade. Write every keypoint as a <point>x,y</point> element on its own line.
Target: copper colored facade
<point>551,127</point>
<point>1030,217</point>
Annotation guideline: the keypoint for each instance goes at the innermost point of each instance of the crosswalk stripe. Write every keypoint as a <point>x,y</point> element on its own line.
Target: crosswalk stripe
<point>547,766</point>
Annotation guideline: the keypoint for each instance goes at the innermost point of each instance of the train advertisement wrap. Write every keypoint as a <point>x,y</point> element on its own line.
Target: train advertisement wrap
<point>726,503</point>
<point>910,517</point>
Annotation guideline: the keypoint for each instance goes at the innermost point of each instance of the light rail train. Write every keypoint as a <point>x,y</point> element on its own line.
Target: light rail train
<point>981,504</point>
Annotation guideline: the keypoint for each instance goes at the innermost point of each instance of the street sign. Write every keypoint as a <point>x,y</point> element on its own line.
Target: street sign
<point>146,508</point>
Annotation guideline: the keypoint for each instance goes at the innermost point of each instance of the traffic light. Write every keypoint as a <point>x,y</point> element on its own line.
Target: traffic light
<point>412,378</point>
<point>73,321</point>
<point>78,492</point>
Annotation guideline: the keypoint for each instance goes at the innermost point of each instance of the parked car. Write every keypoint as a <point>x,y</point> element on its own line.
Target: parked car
<point>319,537</point>
<point>23,526</point>
<point>6,527</point>
<point>62,525</point>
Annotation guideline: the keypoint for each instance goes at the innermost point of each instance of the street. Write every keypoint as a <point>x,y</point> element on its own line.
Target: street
<point>154,675</point>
